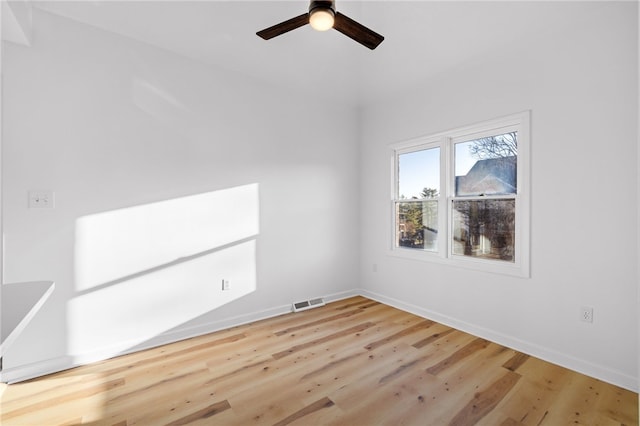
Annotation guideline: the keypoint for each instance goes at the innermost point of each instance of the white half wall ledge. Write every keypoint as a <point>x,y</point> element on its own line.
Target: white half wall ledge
<point>20,303</point>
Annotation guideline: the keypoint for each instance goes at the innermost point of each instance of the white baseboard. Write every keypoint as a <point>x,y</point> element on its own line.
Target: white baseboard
<point>36,369</point>
<point>54,365</point>
<point>26,372</point>
<point>593,370</point>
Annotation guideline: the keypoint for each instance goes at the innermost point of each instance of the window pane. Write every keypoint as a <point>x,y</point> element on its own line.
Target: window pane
<point>486,166</point>
<point>417,224</point>
<point>484,229</point>
<point>419,174</point>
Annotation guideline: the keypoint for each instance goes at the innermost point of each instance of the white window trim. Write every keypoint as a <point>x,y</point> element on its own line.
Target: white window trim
<point>445,140</point>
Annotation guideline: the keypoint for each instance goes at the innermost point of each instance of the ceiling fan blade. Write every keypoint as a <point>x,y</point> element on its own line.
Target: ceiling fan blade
<point>284,27</point>
<point>357,31</point>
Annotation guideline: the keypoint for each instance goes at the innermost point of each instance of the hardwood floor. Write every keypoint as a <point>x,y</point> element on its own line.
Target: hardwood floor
<point>353,362</point>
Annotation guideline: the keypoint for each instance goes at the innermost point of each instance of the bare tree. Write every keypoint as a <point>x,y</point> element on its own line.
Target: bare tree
<point>495,146</point>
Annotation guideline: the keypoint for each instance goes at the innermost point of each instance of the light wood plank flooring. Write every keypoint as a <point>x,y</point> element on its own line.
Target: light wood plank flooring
<point>353,362</point>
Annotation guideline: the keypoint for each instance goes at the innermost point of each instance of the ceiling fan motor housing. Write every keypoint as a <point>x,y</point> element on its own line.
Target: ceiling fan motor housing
<point>322,5</point>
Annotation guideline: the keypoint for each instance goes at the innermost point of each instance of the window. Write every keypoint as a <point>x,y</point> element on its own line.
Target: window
<point>417,203</point>
<point>462,197</point>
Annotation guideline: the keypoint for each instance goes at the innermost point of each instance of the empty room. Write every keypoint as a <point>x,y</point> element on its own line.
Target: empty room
<point>319,213</point>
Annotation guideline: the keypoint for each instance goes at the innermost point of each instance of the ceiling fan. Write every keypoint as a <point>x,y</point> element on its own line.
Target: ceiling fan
<point>322,16</point>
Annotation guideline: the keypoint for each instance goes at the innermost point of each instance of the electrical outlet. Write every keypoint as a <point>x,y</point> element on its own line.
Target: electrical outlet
<point>225,285</point>
<point>586,314</point>
<point>41,199</point>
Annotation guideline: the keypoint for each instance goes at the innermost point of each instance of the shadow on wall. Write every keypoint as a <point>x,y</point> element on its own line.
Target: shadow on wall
<point>143,270</point>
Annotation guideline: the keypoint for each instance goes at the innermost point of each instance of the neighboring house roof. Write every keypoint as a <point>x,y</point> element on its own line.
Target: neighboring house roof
<point>489,177</point>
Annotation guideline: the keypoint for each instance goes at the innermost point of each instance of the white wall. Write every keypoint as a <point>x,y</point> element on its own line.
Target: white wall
<point>110,124</point>
<point>580,81</point>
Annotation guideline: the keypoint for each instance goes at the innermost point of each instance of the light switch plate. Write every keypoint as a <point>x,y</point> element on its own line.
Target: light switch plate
<point>41,199</point>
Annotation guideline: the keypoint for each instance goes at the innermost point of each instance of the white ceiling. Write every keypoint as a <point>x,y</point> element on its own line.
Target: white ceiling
<point>422,38</point>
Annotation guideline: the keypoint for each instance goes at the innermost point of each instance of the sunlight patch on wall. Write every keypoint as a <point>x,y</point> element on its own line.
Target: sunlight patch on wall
<point>118,317</point>
<point>117,244</point>
<point>147,269</point>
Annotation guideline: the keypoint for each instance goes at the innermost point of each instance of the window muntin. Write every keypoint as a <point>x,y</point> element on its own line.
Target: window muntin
<point>479,218</point>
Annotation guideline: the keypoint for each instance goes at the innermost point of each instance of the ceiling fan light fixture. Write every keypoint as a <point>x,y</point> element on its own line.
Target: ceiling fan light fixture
<point>321,17</point>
